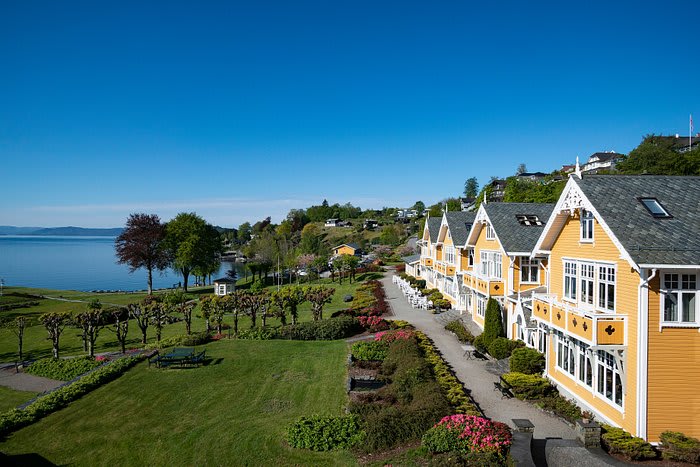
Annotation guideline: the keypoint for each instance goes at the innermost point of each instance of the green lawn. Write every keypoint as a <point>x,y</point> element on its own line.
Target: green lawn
<point>9,398</point>
<point>231,412</point>
<point>36,344</point>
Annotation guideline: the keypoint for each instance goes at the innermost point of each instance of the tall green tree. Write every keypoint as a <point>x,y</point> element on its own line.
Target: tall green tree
<point>657,155</point>
<point>471,187</point>
<point>493,322</point>
<point>140,245</point>
<point>192,243</point>
<point>289,298</point>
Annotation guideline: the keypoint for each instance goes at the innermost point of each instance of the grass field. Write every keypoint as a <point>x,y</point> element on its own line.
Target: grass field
<point>9,398</point>
<point>232,412</point>
<point>36,344</point>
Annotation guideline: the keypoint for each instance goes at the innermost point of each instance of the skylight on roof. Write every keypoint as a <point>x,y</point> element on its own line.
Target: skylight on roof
<point>655,208</point>
<point>528,219</point>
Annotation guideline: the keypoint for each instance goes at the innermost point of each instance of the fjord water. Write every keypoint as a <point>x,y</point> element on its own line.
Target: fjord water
<point>74,263</point>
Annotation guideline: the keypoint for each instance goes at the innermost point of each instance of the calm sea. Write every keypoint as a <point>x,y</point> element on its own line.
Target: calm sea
<point>75,263</point>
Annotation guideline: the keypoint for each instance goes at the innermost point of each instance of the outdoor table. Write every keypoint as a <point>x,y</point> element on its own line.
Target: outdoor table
<point>468,351</point>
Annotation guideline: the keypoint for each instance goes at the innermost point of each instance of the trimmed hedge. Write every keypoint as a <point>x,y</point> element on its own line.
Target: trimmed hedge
<point>183,340</point>
<point>450,385</point>
<point>62,369</point>
<point>462,333</point>
<point>320,433</point>
<point>326,329</point>
<point>529,387</point>
<point>15,419</point>
<point>502,347</point>
<point>527,361</point>
<point>618,441</point>
<point>373,350</point>
<point>679,447</point>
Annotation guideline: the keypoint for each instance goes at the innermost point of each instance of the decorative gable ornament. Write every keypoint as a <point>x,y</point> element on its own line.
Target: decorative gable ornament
<point>573,200</point>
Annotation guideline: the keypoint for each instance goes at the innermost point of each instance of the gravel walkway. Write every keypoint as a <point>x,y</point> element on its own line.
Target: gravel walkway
<point>24,381</point>
<point>475,373</point>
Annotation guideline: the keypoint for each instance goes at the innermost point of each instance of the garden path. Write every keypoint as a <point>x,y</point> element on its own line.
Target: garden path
<point>474,373</point>
<point>24,381</point>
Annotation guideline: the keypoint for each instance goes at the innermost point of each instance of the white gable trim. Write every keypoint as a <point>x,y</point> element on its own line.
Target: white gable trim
<point>571,199</point>
<point>482,218</point>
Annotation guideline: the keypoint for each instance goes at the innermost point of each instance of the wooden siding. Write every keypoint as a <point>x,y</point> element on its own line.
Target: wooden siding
<point>345,250</point>
<point>567,245</point>
<point>674,376</point>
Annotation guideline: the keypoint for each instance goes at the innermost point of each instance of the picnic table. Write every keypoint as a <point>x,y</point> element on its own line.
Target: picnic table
<point>179,356</point>
<point>468,351</point>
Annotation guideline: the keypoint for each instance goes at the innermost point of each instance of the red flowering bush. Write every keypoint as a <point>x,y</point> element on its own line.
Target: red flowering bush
<point>391,336</point>
<point>466,434</point>
<point>100,358</point>
<point>373,323</point>
<point>217,337</point>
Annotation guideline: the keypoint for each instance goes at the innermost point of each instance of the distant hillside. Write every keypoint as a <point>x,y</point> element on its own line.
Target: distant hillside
<point>63,231</point>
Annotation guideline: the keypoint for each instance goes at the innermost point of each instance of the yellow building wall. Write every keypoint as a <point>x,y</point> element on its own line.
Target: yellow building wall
<point>464,260</point>
<point>567,245</point>
<point>438,252</point>
<point>518,286</point>
<point>674,375</point>
<point>345,250</point>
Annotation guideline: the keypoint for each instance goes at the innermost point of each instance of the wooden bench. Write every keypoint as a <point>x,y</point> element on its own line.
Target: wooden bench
<point>503,386</point>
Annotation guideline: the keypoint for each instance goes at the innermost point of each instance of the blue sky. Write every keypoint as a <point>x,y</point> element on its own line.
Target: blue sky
<point>240,110</point>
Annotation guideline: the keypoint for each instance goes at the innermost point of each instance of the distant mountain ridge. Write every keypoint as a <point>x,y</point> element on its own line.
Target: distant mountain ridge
<point>62,231</point>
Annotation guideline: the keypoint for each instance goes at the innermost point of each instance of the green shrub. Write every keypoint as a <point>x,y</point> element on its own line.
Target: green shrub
<point>429,292</point>
<point>493,322</point>
<point>441,303</point>
<point>528,387</point>
<point>326,329</point>
<point>462,333</point>
<point>618,441</point>
<point>436,295</point>
<point>371,350</point>
<point>16,418</point>
<point>561,406</point>
<point>527,361</point>
<point>62,369</point>
<point>501,347</point>
<point>420,284</point>
<point>480,344</point>
<point>679,447</point>
<point>257,334</point>
<point>320,433</point>
<point>183,340</point>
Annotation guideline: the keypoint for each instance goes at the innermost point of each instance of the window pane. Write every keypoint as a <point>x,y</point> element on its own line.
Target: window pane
<point>688,303</point>
<point>670,307</point>
<point>618,390</point>
<point>589,372</point>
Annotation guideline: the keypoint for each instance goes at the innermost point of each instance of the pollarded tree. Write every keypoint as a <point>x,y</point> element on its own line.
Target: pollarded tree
<point>351,264</point>
<point>318,296</point>
<point>177,301</point>
<point>55,323</point>
<point>218,309</point>
<point>140,245</point>
<point>159,316</point>
<point>289,298</point>
<point>92,320</point>
<point>235,304</point>
<point>255,303</point>
<point>142,314</point>
<point>191,244</point>
<point>18,326</point>
<point>205,309</point>
<point>120,317</point>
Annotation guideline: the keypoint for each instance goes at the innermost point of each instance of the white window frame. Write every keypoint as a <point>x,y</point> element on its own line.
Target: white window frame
<point>527,266</point>
<point>604,284</point>
<point>679,287</point>
<point>584,372</point>
<point>566,356</point>
<point>491,265</point>
<point>449,254</point>
<point>480,306</point>
<point>587,226</point>
<point>606,365</point>
<point>490,232</point>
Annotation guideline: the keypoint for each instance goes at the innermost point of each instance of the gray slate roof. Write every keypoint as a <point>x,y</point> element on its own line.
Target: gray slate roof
<point>649,240</point>
<point>411,259</point>
<point>460,223</point>
<point>434,228</point>
<point>514,237</point>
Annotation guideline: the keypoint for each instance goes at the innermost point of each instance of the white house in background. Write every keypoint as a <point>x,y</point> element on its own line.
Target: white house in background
<point>224,286</point>
<point>602,161</point>
<point>332,223</point>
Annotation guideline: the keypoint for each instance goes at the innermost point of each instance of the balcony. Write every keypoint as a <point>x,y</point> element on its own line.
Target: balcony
<point>426,261</point>
<point>588,326</point>
<point>484,285</point>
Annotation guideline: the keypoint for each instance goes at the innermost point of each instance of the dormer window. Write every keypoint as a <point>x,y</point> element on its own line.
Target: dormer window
<point>490,233</point>
<point>655,208</point>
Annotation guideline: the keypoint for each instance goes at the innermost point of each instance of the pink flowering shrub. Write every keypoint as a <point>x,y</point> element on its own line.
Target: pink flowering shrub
<point>468,434</point>
<point>217,337</point>
<point>373,323</point>
<point>100,358</point>
<point>391,336</point>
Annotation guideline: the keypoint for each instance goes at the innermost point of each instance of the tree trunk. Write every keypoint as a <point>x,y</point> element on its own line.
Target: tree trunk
<point>143,335</point>
<point>253,318</point>
<point>185,277</point>
<point>150,281</point>
<point>235,324</point>
<point>21,338</point>
<point>85,340</point>
<point>264,318</point>
<point>208,326</point>
<point>158,334</point>
<point>293,312</point>
<point>55,347</point>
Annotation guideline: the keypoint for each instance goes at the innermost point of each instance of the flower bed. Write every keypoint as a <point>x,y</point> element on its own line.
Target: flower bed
<point>373,323</point>
<point>466,434</point>
<point>391,336</point>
